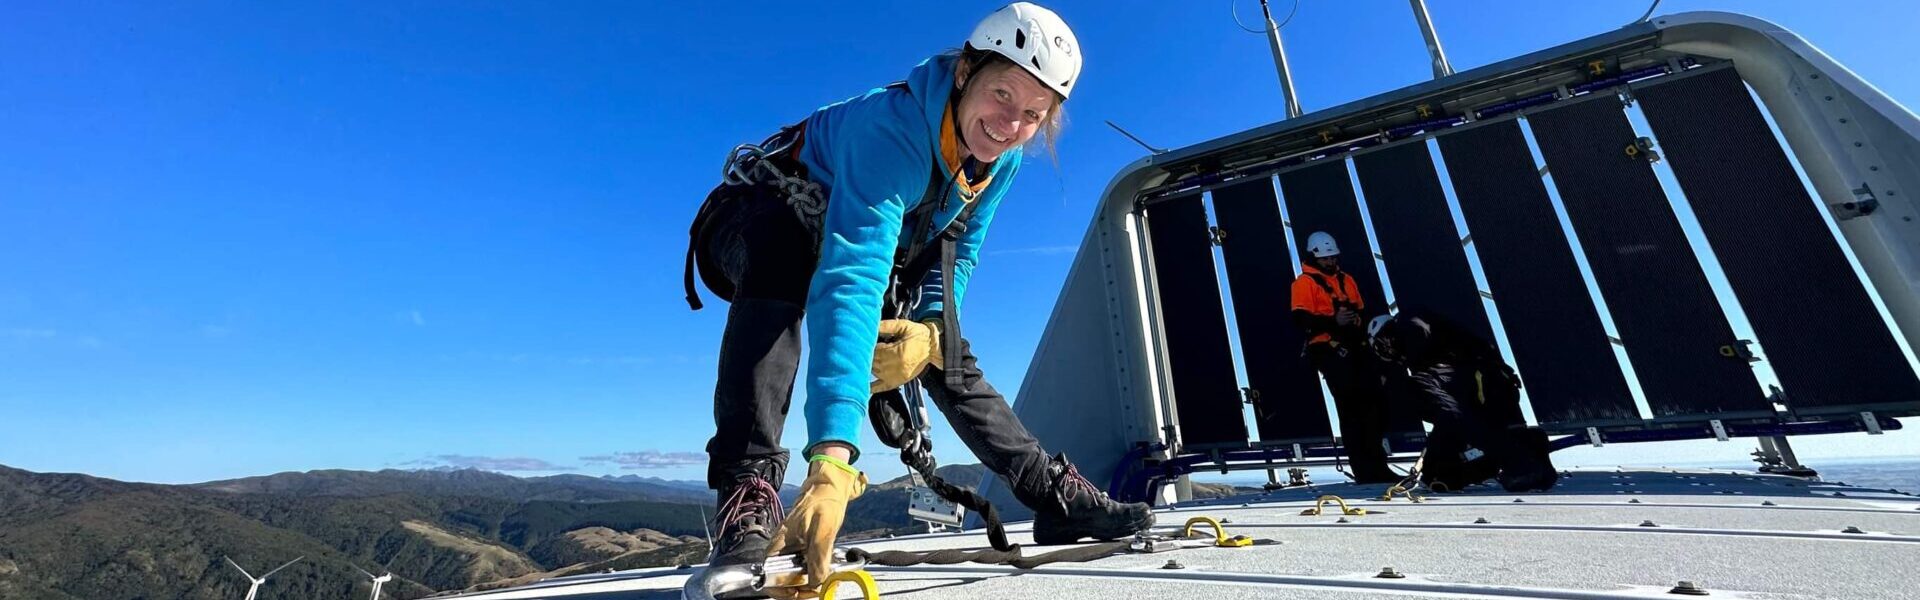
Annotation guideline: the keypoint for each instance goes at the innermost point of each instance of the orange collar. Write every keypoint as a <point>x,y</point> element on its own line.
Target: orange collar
<point>1307,267</point>
<point>950,155</point>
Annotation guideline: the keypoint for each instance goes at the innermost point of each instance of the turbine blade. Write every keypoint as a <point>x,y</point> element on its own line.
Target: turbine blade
<point>277,569</point>
<point>243,570</point>
<point>362,571</point>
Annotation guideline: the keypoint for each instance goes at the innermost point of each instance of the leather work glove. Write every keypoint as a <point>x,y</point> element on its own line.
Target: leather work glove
<point>905,350</point>
<point>1346,316</point>
<point>815,521</point>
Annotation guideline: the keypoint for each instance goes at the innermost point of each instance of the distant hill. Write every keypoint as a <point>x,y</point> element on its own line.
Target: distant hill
<point>76,537</point>
<point>465,482</point>
<point>886,502</point>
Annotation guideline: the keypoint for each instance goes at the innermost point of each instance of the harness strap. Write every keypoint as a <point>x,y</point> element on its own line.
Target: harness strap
<point>1333,295</point>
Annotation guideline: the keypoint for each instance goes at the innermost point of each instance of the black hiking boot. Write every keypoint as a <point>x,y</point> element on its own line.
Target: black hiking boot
<point>748,514</point>
<point>1456,474</point>
<point>1070,508</point>
<point>1531,468</point>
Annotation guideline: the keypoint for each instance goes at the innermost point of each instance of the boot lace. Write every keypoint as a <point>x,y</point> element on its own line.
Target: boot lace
<point>754,499</point>
<point>1072,484</point>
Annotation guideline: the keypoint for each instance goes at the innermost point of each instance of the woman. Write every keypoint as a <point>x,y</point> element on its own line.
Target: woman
<point>867,219</point>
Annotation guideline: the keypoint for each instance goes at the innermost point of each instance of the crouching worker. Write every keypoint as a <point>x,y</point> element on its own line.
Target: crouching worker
<point>1461,386</point>
<point>866,220</point>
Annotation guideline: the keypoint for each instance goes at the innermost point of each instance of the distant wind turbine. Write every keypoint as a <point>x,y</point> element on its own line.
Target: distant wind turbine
<point>254,590</point>
<point>377,581</point>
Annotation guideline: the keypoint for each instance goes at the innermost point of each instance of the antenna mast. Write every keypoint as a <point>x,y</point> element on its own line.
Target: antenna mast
<point>1441,68</point>
<point>1280,61</point>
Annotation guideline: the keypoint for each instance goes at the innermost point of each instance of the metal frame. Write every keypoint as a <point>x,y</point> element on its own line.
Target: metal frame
<point>1135,485</point>
<point>1085,368</point>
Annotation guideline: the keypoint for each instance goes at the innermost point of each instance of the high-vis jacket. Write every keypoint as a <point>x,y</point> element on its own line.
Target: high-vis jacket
<point>1317,296</point>
<point>875,155</point>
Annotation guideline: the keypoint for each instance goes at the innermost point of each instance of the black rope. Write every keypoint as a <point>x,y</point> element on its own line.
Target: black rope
<point>987,556</point>
<point>923,463</point>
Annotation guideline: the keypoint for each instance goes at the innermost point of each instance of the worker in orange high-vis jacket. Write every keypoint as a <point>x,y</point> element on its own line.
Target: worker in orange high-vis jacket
<point>1327,307</point>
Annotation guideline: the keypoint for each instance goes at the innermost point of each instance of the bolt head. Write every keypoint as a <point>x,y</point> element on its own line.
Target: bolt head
<point>1688,588</point>
<point>1648,523</point>
<point>1173,564</point>
<point>1390,573</point>
<point>1481,521</point>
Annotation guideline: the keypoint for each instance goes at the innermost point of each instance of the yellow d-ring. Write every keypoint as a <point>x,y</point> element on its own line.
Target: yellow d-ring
<point>1404,488</point>
<point>1322,504</point>
<point>1220,538</point>
<point>868,589</point>
<point>1219,531</point>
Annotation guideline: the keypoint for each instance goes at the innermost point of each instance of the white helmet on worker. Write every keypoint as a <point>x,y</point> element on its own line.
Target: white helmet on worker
<point>1034,38</point>
<point>1321,245</point>
<point>1374,326</point>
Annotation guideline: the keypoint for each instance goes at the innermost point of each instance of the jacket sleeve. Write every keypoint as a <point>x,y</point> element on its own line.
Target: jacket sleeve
<point>966,252</point>
<point>879,170</point>
<point>1304,294</point>
<point>1312,323</point>
<point>1307,312</point>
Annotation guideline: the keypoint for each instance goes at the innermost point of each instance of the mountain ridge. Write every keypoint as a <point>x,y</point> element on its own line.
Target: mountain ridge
<point>70,536</point>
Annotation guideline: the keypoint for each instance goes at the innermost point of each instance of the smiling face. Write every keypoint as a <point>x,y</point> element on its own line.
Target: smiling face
<point>1001,109</point>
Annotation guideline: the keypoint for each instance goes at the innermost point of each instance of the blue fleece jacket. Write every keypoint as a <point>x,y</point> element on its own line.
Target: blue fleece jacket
<point>874,155</point>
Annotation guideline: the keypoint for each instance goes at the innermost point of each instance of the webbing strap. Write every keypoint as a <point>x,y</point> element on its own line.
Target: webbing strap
<point>1012,558</point>
<point>1332,295</point>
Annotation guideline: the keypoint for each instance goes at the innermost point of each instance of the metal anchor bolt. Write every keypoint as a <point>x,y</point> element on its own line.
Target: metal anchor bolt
<point>1688,588</point>
<point>1389,573</point>
<point>1173,564</point>
<point>1648,523</point>
<point>1852,529</point>
<point>1481,521</point>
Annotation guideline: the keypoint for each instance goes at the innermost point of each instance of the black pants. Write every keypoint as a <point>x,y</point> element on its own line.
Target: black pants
<point>1361,402</point>
<point>761,247</point>
<point>1468,407</point>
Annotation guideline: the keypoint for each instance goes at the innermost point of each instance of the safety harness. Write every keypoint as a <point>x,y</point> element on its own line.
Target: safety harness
<point>772,170</point>
<point>1338,300</point>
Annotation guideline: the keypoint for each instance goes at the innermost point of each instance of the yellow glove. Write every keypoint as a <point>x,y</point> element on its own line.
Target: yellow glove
<point>905,350</point>
<point>815,521</point>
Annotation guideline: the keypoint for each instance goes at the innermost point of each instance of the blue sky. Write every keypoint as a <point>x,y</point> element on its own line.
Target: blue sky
<point>241,238</point>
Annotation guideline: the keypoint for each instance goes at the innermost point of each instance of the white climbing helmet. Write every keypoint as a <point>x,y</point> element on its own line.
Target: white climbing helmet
<point>1321,245</point>
<point>1374,326</point>
<point>1034,38</point>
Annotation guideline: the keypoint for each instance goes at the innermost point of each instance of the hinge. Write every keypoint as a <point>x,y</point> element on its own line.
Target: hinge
<point>1642,148</point>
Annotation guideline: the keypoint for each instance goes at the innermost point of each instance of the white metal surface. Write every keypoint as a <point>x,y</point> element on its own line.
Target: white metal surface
<point>1727,531</point>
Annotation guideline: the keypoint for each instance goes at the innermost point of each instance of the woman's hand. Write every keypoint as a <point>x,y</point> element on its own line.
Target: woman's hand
<point>814,523</point>
<point>905,351</point>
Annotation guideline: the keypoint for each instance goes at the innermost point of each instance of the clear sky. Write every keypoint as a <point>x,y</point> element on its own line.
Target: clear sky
<point>241,238</point>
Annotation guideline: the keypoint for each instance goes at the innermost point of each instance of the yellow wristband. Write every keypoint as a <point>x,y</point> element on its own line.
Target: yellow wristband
<point>835,462</point>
